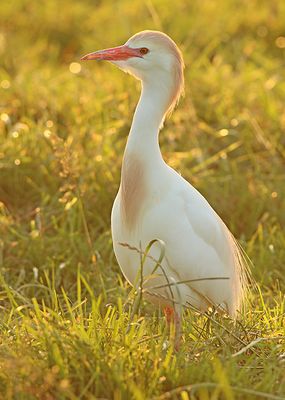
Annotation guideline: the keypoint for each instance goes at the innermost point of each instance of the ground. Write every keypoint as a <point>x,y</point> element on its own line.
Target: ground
<point>71,327</point>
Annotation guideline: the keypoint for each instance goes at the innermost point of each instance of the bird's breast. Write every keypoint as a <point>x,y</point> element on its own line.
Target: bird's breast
<point>133,190</point>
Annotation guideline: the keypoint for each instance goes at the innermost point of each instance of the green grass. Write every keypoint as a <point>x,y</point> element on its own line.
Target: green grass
<point>65,308</point>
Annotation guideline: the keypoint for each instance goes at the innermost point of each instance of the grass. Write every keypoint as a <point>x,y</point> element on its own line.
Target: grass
<point>65,307</point>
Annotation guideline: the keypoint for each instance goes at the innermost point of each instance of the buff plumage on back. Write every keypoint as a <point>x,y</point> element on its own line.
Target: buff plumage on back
<point>178,64</point>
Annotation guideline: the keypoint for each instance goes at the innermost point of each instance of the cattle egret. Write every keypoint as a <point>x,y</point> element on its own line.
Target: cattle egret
<point>203,265</point>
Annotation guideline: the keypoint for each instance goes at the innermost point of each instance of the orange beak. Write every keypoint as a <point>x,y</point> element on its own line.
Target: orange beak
<point>114,54</point>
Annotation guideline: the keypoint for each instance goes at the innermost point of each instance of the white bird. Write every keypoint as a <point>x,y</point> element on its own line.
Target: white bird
<point>203,265</point>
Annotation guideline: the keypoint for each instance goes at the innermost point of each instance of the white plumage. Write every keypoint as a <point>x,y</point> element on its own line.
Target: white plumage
<point>155,202</point>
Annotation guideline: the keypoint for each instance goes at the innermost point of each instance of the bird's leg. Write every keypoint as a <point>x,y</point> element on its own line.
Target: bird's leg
<point>173,318</point>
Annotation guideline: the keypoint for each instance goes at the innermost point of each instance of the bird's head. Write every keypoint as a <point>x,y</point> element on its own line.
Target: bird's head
<point>150,56</point>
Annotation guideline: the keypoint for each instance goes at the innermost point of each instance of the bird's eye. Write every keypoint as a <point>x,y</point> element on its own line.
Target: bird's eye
<point>144,51</point>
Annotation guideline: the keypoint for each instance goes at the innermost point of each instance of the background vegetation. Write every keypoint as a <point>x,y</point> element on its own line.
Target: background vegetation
<point>64,305</point>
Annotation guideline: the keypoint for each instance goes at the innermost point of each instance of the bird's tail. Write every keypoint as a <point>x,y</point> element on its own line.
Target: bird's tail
<point>242,277</point>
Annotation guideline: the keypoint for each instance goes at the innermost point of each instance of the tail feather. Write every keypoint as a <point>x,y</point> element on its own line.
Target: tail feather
<point>242,276</point>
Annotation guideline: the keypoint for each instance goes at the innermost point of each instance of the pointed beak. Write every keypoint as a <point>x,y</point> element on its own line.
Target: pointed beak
<point>114,54</point>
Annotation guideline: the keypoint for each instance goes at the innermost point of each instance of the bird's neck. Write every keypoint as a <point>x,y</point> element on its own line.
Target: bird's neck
<point>143,162</point>
<point>148,118</point>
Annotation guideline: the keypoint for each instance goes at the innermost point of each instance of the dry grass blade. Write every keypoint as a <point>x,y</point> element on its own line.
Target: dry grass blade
<point>255,342</point>
<point>191,389</point>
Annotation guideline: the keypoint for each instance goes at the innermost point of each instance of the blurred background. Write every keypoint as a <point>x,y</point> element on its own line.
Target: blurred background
<point>64,124</point>
<point>64,306</point>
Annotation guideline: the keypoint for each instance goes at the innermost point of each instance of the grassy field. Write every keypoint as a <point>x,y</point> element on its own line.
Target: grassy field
<point>65,309</point>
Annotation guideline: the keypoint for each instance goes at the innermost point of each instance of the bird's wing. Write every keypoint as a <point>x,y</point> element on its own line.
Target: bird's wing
<point>210,228</point>
<point>205,222</point>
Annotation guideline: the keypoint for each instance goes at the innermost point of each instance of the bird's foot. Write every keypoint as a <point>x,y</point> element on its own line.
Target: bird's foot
<point>174,319</point>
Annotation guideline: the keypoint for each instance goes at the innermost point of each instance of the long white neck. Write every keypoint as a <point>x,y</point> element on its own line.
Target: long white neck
<point>143,137</point>
<point>142,161</point>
